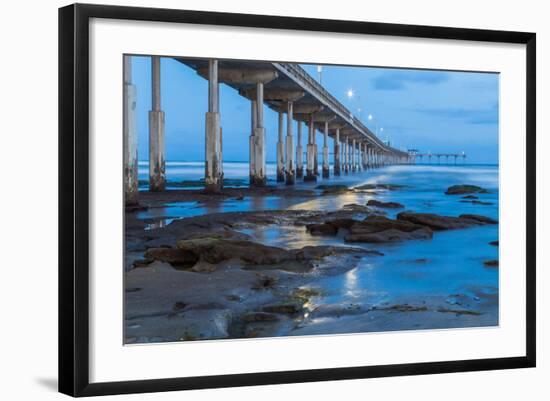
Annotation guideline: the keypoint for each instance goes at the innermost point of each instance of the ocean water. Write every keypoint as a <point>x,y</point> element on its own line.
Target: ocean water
<point>410,272</point>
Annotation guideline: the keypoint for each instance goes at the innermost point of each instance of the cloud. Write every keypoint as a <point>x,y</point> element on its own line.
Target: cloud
<point>398,80</point>
<point>469,116</point>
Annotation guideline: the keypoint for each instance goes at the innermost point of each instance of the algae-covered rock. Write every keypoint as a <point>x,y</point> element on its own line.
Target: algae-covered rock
<point>478,218</point>
<point>286,307</point>
<point>379,229</point>
<point>389,187</point>
<point>463,189</point>
<point>333,189</point>
<point>491,263</point>
<point>322,229</point>
<point>178,258</point>
<point>437,222</point>
<point>388,205</point>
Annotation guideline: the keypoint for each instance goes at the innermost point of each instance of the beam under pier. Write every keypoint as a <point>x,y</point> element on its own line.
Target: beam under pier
<point>157,165</point>
<point>130,136</point>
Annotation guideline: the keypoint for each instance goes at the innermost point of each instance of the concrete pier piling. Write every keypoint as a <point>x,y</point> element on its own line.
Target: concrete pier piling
<point>346,155</point>
<point>157,164</point>
<point>212,166</point>
<point>251,141</point>
<point>353,164</point>
<point>311,152</point>
<point>315,152</point>
<point>299,153</point>
<point>259,177</point>
<point>129,127</point>
<point>337,152</point>
<point>371,158</point>
<point>359,163</point>
<point>280,150</point>
<point>326,172</point>
<point>289,146</point>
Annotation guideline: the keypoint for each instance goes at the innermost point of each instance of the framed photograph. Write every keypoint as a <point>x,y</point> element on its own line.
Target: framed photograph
<point>251,199</point>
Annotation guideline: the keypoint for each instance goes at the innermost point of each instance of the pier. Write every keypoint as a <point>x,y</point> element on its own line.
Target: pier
<point>286,89</point>
<point>415,155</point>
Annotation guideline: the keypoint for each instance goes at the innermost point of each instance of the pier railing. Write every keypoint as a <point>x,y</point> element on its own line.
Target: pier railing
<point>301,77</point>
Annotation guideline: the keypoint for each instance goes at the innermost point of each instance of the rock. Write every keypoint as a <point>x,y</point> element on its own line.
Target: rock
<point>216,250</point>
<point>491,263</point>
<point>322,229</point>
<point>374,224</point>
<point>203,254</point>
<point>390,235</point>
<point>214,233</point>
<point>314,252</point>
<point>330,227</point>
<point>265,282</point>
<point>478,218</point>
<point>377,229</point>
<point>179,306</point>
<point>337,310</point>
<point>345,223</point>
<point>463,189</point>
<point>259,317</point>
<point>389,187</point>
<point>437,222</point>
<point>354,207</point>
<point>401,308</point>
<point>493,243</point>
<point>287,307</point>
<point>477,202</point>
<point>459,311</point>
<point>178,258</point>
<point>389,205</point>
<point>142,262</point>
<point>333,189</point>
<point>470,197</point>
<point>306,293</point>
<point>204,267</point>
<point>135,208</point>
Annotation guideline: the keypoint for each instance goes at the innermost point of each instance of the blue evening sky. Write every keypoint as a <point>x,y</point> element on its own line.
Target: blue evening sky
<point>437,111</point>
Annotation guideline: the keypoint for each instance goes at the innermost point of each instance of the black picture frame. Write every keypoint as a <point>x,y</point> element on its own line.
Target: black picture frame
<point>74,198</point>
